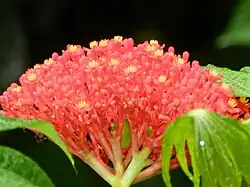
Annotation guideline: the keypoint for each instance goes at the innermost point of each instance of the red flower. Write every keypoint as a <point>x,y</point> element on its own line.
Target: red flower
<point>88,93</point>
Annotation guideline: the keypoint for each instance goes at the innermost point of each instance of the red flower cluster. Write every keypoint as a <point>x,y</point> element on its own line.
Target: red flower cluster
<point>87,94</point>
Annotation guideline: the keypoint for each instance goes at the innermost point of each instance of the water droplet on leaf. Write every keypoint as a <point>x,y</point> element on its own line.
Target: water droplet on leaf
<point>202,143</point>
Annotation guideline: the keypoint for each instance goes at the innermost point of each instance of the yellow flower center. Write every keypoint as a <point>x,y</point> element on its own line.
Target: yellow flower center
<point>103,43</point>
<point>31,75</point>
<point>93,44</point>
<point>153,42</point>
<point>72,48</point>
<point>232,103</point>
<point>130,69</point>
<point>162,78</point>
<point>158,52</point>
<point>48,61</point>
<point>17,89</point>
<point>82,104</point>
<point>114,62</point>
<point>118,38</point>
<point>93,64</point>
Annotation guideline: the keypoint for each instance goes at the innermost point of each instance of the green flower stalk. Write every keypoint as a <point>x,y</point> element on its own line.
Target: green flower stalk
<point>97,98</point>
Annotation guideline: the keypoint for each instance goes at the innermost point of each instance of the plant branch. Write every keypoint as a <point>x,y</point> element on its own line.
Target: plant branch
<point>96,165</point>
<point>151,171</point>
<point>139,161</point>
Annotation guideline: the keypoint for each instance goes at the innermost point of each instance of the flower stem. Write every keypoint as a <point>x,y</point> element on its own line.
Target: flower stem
<point>101,170</point>
<point>153,170</point>
<point>139,161</point>
<point>116,146</point>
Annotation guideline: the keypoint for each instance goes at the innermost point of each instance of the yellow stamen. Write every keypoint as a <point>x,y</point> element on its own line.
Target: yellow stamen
<point>118,38</point>
<point>232,103</point>
<point>114,62</point>
<point>37,66</point>
<point>93,44</point>
<point>150,48</point>
<point>72,48</point>
<point>17,89</point>
<point>48,61</point>
<point>82,104</point>
<point>162,78</point>
<point>130,69</point>
<point>93,64</point>
<point>158,52</point>
<point>103,43</point>
<point>153,42</point>
<point>180,61</point>
<point>244,100</point>
<point>31,75</point>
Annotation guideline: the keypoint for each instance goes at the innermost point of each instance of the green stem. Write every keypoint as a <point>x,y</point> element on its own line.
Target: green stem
<point>139,161</point>
<point>96,165</point>
<point>154,169</point>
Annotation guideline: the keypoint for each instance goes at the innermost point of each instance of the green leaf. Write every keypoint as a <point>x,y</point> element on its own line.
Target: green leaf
<point>17,169</point>
<point>10,179</point>
<point>246,122</point>
<point>245,69</point>
<point>218,145</point>
<point>239,80</point>
<point>37,125</point>
<point>126,136</point>
<point>238,29</point>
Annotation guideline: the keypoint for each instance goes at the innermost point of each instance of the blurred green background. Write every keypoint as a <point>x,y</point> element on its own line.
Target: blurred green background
<point>32,30</point>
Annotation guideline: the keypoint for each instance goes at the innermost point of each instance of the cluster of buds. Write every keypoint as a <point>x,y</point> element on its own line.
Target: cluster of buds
<point>89,93</point>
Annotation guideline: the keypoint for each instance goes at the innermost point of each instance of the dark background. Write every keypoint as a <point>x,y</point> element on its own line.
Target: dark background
<point>31,30</point>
